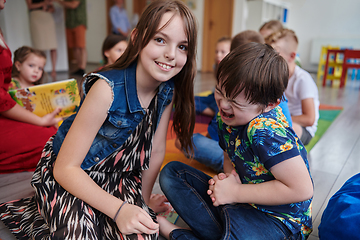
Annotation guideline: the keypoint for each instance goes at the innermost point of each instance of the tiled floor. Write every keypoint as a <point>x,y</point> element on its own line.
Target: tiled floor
<point>332,160</point>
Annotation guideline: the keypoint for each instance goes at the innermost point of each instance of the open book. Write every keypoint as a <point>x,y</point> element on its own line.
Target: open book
<point>45,98</point>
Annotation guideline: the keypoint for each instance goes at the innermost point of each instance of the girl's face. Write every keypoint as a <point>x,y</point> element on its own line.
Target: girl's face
<point>115,52</point>
<point>222,49</point>
<point>31,69</point>
<point>166,53</point>
<point>237,111</point>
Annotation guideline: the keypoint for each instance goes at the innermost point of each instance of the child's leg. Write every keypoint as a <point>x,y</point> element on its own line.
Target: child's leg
<point>206,151</point>
<point>243,221</point>
<point>185,188</point>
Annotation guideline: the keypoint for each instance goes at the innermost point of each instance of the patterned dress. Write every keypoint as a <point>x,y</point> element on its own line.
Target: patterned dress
<point>53,213</point>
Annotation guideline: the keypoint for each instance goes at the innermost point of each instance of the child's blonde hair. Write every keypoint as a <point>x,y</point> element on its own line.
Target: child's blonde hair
<point>273,25</point>
<point>147,27</point>
<point>21,54</point>
<point>288,35</point>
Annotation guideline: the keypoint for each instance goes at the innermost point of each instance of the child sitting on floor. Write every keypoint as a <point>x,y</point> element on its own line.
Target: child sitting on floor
<point>28,69</point>
<point>301,92</point>
<point>266,189</point>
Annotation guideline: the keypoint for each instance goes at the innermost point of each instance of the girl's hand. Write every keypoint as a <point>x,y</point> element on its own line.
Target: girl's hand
<point>158,203</point>
<point>221,188</point>
<point>51,119</point>
<point>133,219</point>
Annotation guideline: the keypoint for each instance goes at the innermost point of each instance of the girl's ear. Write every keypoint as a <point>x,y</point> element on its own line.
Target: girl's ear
<point>17,65</point>
<point>106,53</point>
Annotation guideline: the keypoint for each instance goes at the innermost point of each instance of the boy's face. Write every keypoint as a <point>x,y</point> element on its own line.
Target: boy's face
<point>222,49</point>
<point>237,111</point>
<point>281,46</point>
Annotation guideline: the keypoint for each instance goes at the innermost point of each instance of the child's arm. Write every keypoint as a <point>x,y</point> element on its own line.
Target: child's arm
<point>292,184</point>
<point>18,113</point>
<point>157,155</point>
<point>308,113</point>
<point>69,4</point>
<point>68,172</point>
<point>227,165</point>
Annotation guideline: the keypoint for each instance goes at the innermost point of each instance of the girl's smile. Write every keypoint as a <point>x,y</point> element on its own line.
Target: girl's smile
<point>166,53</point>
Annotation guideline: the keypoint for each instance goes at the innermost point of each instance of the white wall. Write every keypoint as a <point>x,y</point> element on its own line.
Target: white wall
<point>330,19</point>
<point>14,22</point>
<point>96,29</point>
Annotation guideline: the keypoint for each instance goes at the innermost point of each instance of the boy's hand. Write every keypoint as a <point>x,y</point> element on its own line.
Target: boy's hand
<point>221,188</point>
<point>159,203</point>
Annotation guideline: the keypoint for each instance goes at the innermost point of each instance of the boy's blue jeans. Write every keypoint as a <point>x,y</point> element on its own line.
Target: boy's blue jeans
<point>208,152</point>
<point>185,188</point>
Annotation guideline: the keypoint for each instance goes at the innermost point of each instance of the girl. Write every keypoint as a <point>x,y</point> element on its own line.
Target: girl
<point>23,134</point>
<point>112,49</point>
<point>94,180</point>
<point>28,69</point>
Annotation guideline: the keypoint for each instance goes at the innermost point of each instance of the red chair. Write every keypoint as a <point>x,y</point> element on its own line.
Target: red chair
<point>351,60</point>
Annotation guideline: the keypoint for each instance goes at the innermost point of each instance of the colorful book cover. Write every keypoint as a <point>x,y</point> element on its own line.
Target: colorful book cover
<point>45,98</point>
<point>171,215</point>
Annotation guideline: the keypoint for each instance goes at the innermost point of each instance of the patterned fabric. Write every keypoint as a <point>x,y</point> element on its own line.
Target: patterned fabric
<point>55,213</point>
<point>254,148</point>
<point>76,17</point>
<point>14,84</point>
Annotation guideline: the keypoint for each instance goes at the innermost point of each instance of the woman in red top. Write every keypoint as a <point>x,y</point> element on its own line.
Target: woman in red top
<point>23,134</point>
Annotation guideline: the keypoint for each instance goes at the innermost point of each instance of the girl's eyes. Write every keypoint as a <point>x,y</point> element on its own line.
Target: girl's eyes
<point>159,40</point>
<point>183,47</point>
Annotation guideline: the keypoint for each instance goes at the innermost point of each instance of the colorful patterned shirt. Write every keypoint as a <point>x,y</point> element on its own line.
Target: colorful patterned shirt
<point>256,147</point>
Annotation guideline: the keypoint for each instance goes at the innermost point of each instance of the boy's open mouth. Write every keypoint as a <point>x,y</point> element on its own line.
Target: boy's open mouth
<point>227,115</point>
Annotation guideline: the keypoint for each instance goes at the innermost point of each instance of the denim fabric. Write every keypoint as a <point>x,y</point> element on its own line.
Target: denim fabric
<point>205,102</point>
<point>124,115</point>
<point>185,188</point>
<point>208,152</point>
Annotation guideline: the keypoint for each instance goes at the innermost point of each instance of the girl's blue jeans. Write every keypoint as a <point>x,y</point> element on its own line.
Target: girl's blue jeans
<point>185,188</point>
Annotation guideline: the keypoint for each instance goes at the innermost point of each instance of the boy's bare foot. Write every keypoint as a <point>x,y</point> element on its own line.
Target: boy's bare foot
<point>166,227</point>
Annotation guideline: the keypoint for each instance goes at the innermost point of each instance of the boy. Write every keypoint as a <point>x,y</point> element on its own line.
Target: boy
<point>301,92</point>
<point>266,190</point>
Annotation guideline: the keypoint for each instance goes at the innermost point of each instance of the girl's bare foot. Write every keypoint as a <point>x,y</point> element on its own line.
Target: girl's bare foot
<point>166,227</point>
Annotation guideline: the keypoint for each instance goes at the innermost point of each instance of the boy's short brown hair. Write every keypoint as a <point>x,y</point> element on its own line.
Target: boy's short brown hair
<point>246,37</point>
<point>258,70</point>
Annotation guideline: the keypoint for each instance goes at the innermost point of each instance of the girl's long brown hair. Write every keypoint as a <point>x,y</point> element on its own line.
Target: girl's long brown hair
<point>147,27</point>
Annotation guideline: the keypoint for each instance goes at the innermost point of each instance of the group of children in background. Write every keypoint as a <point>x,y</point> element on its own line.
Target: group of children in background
<point>95,176</point>
<point>301,110</point>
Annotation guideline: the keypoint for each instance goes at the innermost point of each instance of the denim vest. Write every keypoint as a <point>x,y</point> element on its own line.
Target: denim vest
<point>124,114</point>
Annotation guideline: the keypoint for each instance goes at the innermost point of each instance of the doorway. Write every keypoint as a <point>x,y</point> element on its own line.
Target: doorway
<point>218,17</point>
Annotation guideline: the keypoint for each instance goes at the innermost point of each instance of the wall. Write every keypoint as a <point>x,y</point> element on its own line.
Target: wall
<point>96,31</point>
<point>328,19</point>
<point>14,22</point>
